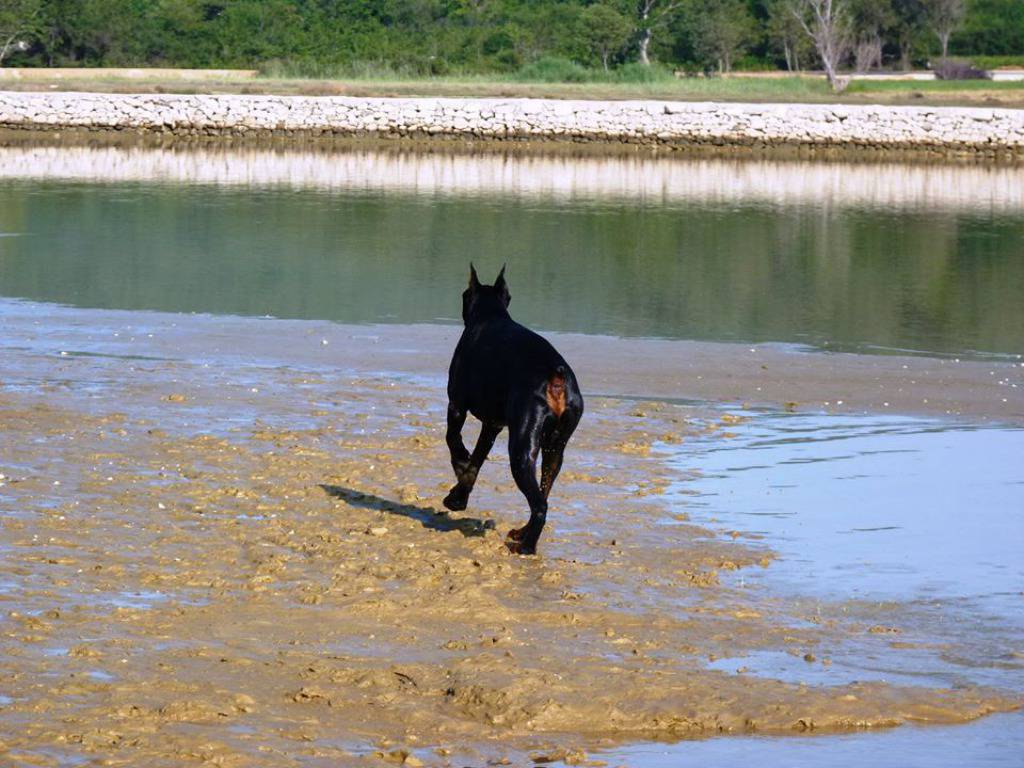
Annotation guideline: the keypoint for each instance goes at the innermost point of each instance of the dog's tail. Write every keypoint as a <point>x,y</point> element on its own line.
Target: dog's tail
<point>555,394</point>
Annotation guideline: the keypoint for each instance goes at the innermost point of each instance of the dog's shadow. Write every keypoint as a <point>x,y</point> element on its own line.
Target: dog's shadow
<point>425,516</point>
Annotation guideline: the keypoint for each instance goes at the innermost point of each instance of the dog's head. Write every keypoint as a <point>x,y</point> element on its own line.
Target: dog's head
<point>480,300</point>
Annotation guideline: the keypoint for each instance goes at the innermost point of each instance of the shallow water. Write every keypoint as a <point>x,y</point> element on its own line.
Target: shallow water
<point>873,507</point>
<point>996,741</point>
<point>875,512</point>
<point>846,257</point>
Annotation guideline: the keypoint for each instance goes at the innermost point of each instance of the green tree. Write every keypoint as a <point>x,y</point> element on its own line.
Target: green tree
<point>605,30</point>
<point>19,19</point>
<point>97,32</point>
<point>786,36</point>
<point>944,16</point>
<point>721,29</point>
<point>251,31</point>
<point>908,28</point>
<point>179,33</point>
<point>993,28</point>
<point>871,20</point>
<point>316,37</point>
<point>652,15</point>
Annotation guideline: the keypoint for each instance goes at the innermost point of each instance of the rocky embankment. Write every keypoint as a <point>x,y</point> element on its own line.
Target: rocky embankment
<point>946,131</point>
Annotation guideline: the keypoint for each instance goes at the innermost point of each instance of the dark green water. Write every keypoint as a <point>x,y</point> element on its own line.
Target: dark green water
<point>846,277</point>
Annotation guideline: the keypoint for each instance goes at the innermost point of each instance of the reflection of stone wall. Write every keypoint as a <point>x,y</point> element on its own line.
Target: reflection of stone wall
<point>672,124</point>
<point>887,185</point>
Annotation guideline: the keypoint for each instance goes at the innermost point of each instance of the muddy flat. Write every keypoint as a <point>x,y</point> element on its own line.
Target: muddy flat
<point>223,543</point>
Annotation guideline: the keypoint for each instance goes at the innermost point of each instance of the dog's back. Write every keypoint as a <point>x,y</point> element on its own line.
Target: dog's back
<point>499,362</point>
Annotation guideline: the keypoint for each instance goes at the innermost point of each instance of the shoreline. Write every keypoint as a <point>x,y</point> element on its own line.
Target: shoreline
<point>725,374</point>
<point>778,130</point>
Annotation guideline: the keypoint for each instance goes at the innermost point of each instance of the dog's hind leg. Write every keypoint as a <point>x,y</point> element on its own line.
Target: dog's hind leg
<point>458,496</point>
<point>552,448</point>
<point>523,445</point>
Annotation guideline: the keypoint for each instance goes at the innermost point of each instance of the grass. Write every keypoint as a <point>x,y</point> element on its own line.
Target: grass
<point>934,86</point>
<point>993,62</point>
<point>543,82</point>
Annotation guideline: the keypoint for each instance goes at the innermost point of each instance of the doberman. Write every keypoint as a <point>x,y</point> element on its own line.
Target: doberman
<point>508,376</point>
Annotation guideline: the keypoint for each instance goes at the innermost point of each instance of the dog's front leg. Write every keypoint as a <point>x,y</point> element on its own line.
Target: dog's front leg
<point>458,497</point>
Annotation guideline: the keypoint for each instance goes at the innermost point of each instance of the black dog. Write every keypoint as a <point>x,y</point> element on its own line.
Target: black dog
<point>507,375</point>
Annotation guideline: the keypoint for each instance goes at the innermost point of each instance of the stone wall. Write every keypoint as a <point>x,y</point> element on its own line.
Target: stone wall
<point>940,130</point>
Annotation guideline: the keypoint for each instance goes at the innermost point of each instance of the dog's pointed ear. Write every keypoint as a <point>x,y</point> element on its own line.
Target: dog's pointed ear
<point>502,287</point>
<point>474,281</point>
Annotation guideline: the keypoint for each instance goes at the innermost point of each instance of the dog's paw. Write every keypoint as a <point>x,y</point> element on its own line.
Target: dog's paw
<point>457,499</point>
<point>514,540</point>
<point>520,547</point>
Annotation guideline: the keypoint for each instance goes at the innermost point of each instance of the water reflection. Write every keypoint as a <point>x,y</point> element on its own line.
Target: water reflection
<point>864,257</point>
<point>546,176</point>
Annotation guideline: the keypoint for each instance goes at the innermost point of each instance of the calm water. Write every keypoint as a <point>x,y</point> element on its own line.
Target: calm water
<point>873,507</point>
<point>996,741</point>
<point>898,519</point>
<point>862,258</point>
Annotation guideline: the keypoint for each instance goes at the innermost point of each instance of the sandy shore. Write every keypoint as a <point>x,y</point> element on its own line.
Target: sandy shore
<point>223,544</point>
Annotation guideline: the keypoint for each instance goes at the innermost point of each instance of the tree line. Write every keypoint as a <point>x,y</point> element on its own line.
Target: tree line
<point>438,37</point>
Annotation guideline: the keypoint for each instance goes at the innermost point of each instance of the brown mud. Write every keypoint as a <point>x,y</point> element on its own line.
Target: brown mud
<point>210,561</point>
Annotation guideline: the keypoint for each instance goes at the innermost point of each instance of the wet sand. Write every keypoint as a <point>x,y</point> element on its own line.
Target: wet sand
<point>796,378</point>
<point>223,543</point>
